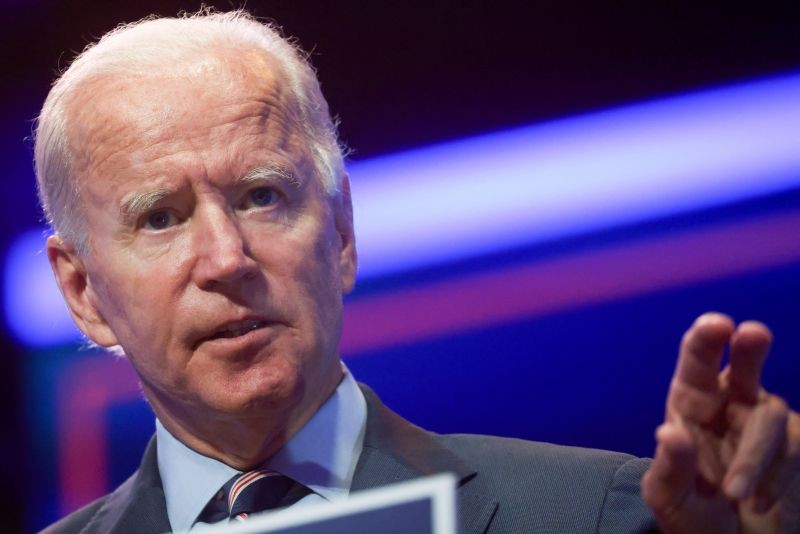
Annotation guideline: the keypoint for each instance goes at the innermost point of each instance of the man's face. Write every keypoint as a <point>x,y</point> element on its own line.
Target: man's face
<point>216,261</point>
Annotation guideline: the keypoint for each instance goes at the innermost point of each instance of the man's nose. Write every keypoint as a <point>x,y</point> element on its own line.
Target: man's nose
<point>223,254</point>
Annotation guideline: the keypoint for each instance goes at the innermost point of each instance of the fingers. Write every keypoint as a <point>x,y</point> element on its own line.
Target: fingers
<point>763,436</point>
<point>787,476</point>
<point>781,481</point>
<point>695,386</point>
<point>749,347</point>
<point>727,444</point>
<point>701,350</point>
<point>671,477</point>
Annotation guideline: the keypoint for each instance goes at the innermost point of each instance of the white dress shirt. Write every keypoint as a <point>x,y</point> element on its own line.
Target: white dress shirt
<point>321,456</point>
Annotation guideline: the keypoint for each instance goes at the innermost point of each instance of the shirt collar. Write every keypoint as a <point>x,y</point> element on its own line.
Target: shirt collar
<point>322,456</point>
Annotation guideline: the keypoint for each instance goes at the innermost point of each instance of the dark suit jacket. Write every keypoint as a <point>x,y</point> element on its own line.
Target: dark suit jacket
<point>505,485</point>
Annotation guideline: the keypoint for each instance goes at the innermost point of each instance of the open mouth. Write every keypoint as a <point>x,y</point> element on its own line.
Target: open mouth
<point>238,329</point>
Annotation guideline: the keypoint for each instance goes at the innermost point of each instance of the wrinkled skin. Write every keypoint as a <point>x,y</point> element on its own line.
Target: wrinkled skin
<point>217,260</point>
<point>728,453</point>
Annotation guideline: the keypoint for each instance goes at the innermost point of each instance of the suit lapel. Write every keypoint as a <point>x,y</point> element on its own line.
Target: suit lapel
<point>138,505</point>
<point>395,451</point>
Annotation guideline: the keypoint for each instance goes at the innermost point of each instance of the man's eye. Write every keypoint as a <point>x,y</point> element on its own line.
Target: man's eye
<point>159,220</point>
<point>261,196</point>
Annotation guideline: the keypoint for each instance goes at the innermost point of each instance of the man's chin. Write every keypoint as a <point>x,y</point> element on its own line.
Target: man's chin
<point>261,404</point>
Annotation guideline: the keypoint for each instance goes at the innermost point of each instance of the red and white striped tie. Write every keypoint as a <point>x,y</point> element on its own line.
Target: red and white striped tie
<point>256,491</point>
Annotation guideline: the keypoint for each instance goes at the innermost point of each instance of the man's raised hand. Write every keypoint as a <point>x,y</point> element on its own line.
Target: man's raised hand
<point>728,454</point>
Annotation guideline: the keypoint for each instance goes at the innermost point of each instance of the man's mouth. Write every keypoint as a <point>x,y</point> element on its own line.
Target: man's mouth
<point>238,328</point>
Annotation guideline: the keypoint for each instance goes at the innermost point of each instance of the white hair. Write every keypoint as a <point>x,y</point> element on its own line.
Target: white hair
<point>153,43</point>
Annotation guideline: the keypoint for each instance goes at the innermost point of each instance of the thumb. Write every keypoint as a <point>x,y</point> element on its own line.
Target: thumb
<point>671,478</point>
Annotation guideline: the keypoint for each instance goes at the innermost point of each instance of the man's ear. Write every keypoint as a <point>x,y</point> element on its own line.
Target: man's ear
<point>343,219</point>
<point>71,277</point>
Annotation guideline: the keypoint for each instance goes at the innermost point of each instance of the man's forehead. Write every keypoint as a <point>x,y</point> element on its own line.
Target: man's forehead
<point>125,113</point>
<point>164,93</point>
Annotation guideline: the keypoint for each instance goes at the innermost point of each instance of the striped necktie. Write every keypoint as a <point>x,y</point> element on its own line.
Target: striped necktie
<point>255,492</point>
<point>250,493</point>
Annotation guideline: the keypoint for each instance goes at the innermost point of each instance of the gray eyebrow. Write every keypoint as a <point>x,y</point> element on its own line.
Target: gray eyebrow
<point>269,172</point>
<point>135,204</point>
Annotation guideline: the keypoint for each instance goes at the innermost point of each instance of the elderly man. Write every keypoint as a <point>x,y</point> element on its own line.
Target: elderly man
<point>203,227</point>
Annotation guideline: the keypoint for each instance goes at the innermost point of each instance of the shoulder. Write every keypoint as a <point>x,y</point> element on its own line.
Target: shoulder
<point>76,521</point>
<point>116,511</point>
<point>544,486</point>
<point>510,485</point>
<point>510,455</point>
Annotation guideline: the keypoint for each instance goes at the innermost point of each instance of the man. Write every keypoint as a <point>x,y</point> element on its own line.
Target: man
<point>203,227</point>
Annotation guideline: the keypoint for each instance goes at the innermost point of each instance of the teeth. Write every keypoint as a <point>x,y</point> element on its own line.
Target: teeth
<point>241,329</point>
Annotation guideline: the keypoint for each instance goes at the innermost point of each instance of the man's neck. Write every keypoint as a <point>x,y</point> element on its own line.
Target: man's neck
<point>241,442</point>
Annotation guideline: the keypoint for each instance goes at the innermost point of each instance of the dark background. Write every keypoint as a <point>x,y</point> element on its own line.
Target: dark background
<point>406,74</point>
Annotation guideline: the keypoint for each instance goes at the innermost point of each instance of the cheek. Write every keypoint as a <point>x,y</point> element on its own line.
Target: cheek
<point>325,286</point>
<point>322,270</point>
<point>304,278</point>
<point>137,308</point>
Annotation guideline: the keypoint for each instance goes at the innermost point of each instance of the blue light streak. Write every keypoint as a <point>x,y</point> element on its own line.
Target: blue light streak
<point>548,181</point>
<point>519,187</point>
